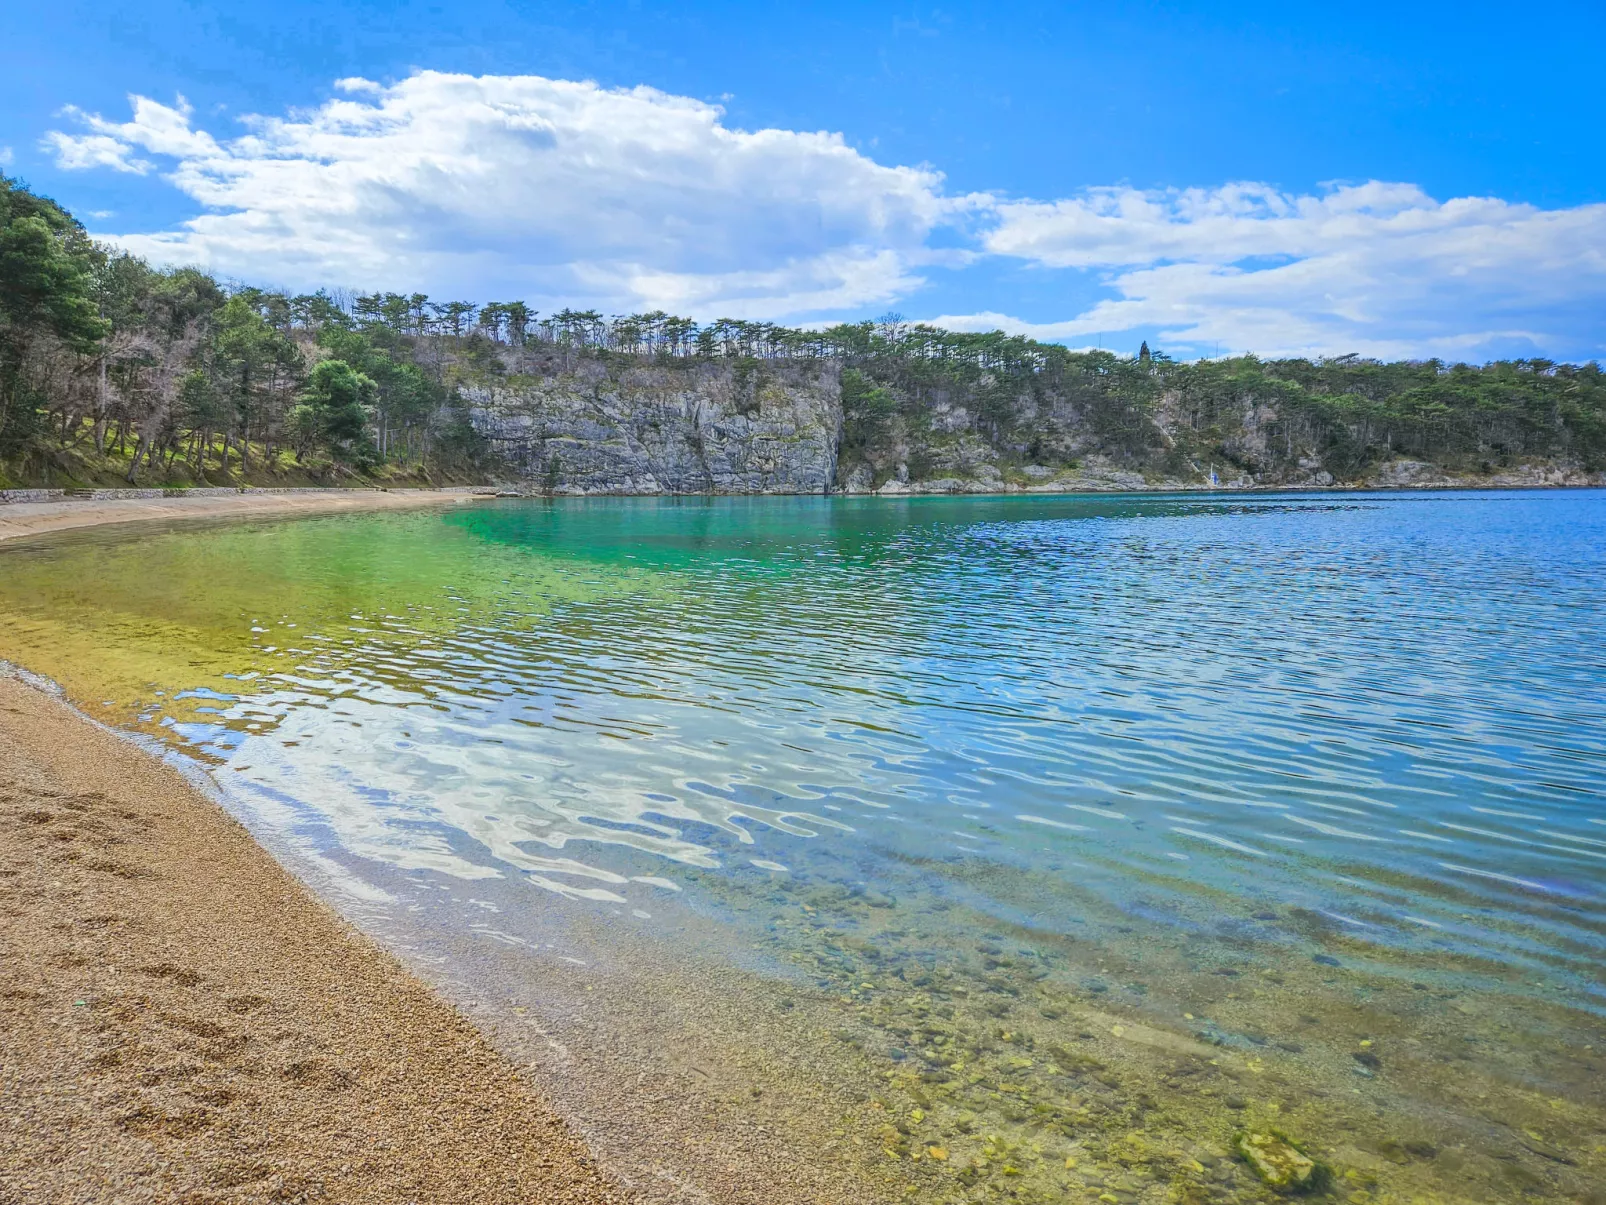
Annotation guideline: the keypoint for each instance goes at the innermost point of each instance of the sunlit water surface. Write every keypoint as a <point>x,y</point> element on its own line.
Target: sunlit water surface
<point>1354,727</point>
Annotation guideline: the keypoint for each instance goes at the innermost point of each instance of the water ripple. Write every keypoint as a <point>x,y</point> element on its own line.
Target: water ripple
<point>1393,709</point>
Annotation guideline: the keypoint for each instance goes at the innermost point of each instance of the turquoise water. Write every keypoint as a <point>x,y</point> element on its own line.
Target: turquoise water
<point>1374,707</point>
<point>1355,727</point>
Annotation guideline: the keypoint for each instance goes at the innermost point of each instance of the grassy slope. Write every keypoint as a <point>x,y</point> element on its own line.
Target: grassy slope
<point>82,465</point>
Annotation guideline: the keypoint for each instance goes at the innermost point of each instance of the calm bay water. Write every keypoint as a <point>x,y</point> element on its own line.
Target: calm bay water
<point>1016,739</point>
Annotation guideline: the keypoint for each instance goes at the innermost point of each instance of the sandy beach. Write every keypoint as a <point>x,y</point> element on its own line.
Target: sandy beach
<point>181,1021</point>
<point>19,519</point>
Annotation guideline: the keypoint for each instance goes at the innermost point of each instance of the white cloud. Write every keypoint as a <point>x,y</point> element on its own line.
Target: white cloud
<point>155,128</point>
<point>83,151</point>
<point>1114,227</point>
<point>5,155</point>
<point>1381,269</point>
<point>565,193</point>
<point>549,190</point>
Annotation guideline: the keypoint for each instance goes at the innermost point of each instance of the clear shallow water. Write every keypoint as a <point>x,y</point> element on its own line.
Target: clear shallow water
<point>1377,720</point>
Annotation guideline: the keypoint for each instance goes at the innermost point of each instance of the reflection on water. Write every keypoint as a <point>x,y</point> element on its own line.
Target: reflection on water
<point>1030,763</point>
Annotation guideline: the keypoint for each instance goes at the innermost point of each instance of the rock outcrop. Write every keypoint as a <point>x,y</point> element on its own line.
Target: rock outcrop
<point>633,426</point>
<point>564,423</point>
<point>1037,439</point>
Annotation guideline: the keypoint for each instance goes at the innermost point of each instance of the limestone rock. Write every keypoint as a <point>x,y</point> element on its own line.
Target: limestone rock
<point>638,427</point>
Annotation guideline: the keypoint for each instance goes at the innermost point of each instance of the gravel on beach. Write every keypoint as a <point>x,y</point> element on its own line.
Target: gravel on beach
<point>181,1021</point>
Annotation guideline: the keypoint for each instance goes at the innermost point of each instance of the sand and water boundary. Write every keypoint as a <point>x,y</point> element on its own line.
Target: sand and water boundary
<point>40,512</point>
<point>183,1019</point>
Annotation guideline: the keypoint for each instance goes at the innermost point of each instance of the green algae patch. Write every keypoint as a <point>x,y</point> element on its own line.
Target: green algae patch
<point>1280,1163</point>
<point>168,627</point>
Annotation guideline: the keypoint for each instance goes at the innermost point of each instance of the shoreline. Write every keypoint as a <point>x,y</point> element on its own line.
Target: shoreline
<point>1093,489</point>
<point>182,1016</point>
<point>19,520</point>
<point>642,1108</point>
<point>25,519</point>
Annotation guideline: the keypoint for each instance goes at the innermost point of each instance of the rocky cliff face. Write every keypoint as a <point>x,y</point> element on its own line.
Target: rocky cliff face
<point>633,426</point>
<point>993,436</point>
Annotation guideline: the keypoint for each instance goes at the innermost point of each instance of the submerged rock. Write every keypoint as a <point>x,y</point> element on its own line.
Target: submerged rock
<point>1280,1164</point>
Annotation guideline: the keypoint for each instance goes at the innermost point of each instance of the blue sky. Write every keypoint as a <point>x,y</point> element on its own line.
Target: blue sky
<point>1390,179</point>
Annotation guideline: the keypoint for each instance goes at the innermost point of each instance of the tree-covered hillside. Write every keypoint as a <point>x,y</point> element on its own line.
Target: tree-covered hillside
<point>945,398</point>
<point>112,370</point>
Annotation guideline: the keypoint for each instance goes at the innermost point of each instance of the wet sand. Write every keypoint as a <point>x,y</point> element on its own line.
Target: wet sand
<point>181,1021</point>
<point>19,519</point>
